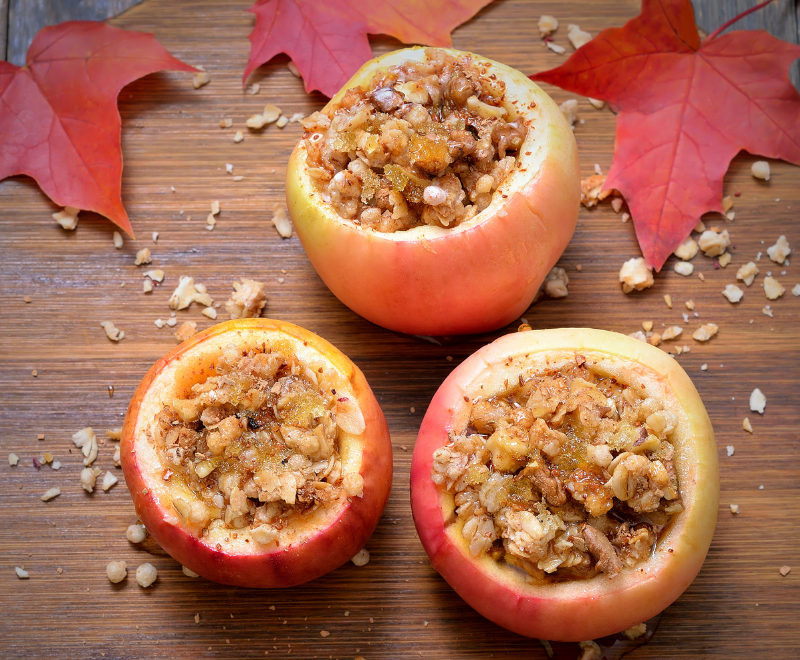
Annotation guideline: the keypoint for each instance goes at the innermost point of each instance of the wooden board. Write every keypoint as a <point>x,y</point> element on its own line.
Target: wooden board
<point>396,606</point>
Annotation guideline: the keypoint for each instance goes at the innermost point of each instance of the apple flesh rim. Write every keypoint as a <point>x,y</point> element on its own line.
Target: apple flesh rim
<point>579,609</point>
<point>474,277</point>
<point>321,541</point>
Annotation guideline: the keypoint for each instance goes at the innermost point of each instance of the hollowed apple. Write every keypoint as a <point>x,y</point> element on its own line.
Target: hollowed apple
<point>565,482</point>
<point>426,274</point>
<point>257,455</point>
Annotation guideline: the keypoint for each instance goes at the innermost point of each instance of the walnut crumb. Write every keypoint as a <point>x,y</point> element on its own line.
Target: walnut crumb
<point>690,305</point>
<point>547,25</point>
<point>226,123</point>
<point>714,242</point>
<point>13,459</point>
<point>186,330</point>
<point>555,284</point>
<point>254,89</point>
<point>22,574</point>
<point>556,48</point>
<point>747,426</point>
<point>779,251</point>
<point>210,312</point>
<point>734,508</point>
<point>143,257</point>
<point>247,300</point>
<point>758,401</point>
<point>705,332</point>
<point>634,632</point>
<point>671,332</point>
<point>635,275</point>
<point>668,300</point>
<point>118,242</point>
<point>67,217</point>
<point>647,325</point>
<point>577,37</point>
<point>724,259</point>
<point>727,203</point>
<point>760,170</point>
<point>361,558</point>
<point>747,273</point>
<point>686,250</point>
<point>772,288</point>
<point>591,187</point>
<point>733,293</point>
<point>50,494</point>
<point>784,570</point>
<point>684,268</point>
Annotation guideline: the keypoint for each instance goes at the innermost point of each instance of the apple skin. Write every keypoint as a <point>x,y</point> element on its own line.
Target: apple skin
<point>577,610</point>
<point>431,281</point>
<point>330,547</point>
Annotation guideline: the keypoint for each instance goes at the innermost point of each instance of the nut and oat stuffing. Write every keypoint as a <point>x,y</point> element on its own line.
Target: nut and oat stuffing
<point>256,445</point>
<point>567,475</point>
<point>426,143</point>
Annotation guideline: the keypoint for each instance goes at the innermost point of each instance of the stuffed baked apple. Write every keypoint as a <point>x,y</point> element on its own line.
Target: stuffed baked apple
<point>257,455</point>
<point>435,191</point>
<point>565,482</point>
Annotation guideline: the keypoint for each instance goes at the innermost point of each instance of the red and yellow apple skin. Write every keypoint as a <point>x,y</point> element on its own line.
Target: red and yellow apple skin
<point>323,543</point>
<point>475,277</point>
<point>575,610</point>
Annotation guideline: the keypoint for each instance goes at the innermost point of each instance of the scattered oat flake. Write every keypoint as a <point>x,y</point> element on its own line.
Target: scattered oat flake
<point>282,222</point>
<point>625,217</point>
<point>705,332</point>
<point>50,494</point>
<point>704,367</point>
<point>159,323</point>
<point>747,426</point>
<point>734,508</point>
<point>22,574</point>
<point>796,290</point>
<point>616,204</point>
<point>156,274</point>
<point>282,121</point>
<point>639,335</point>
<point>172,322</point>
<point>690,305</point>
<point>200,78</point>
<point>34,373</point>
<point>785,570</point>
<point>757,401</point>
<point>733,293</point>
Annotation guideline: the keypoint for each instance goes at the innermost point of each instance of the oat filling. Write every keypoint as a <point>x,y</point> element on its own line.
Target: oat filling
<point>566,475</point>
<point>255,447</point>
<point>426,143</point>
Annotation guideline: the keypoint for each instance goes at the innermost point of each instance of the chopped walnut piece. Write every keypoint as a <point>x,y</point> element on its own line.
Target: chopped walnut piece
<point>747,426</point>
<point>705,332</point>
<point>282,222</point>
<point>238,137</point>
<point>760,170</point>
<point>112,331</point>
<point>118,242</point>
<point>616,204</point>
<point>686,250</point>
<point>555,284</point>
<point>247,300</point>
<point>684,268</point>
<point>635,275</point>
<point>772,288</point>
<point>592,190</point>
<point>552,45</point>
<point>143,257</point>
<point>727,203</point>
<point>254,89</point>
<point>747,273</point>
<point>690,305</point>
<point>13,459</point>
<point>730,449</point>
<point>22,574</point>
<point>597,103</point>
<point>635,632</point>
<point>734,508</point>
<point>671,332</point>
<point>271,113</point>
<point>226,123</point>
<point>186,330</point>
<point>714,243</point>
<point>293,68</point>
<point>50,494</point>
<point>256,122</point>
<point>647,325</point>
<point>796,290</point>
<point>156,274</point>
<point>210,312</point>
<point>639,335</point>
<point>577,37</point>
<point>147,285</point>
<point>109,480</point>
<point>89,478</point>
<point>200,78</point>
<point>668,300</point>
<point>758,401</point>
<point>186,293</point>
<point>361,558</point>
<point>67,217</point>
<point>601,550</point>
<point>547,25</point>
<point>570,110</point>
<point>733,293</point>
<point>282,121</point>
<point>296,117</point>
<point>724,259</point>
<point>190,573</point>
<point>785,570</point>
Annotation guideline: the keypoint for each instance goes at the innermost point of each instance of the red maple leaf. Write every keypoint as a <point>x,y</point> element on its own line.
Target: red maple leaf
<point>59,121</point>
<point>328,40</point>
<point>685,109</point>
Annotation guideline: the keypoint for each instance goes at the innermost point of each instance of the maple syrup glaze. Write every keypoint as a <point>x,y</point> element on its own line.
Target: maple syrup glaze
<point>567,475</point>
<point>424,143</point>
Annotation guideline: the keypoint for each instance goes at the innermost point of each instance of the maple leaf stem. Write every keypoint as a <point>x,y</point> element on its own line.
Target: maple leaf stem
<point>725,26</point>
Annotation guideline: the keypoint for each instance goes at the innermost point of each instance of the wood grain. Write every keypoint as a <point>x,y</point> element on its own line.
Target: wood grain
<point>738,607</point>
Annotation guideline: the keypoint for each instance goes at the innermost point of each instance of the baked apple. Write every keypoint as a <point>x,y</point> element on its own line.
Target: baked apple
<point>435,191</point>
<point>257,455</point>
<point>565,482</point>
